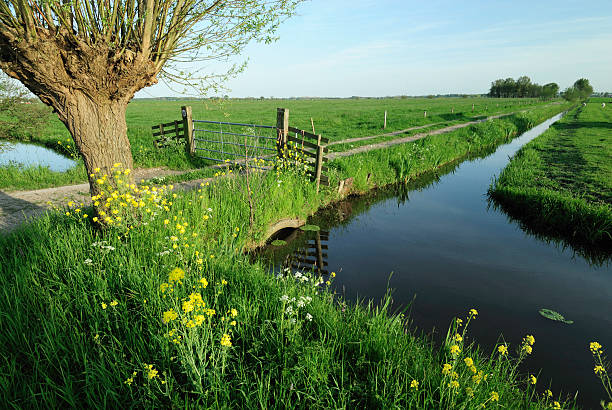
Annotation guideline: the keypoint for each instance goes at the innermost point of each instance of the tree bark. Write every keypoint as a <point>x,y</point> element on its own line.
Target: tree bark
<point>99,131</point>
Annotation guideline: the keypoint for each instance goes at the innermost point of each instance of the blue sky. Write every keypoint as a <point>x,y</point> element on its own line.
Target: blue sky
<point>340,48</point>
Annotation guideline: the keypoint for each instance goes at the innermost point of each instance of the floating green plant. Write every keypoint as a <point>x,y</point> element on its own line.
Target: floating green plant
<point>552,315</point>
<point>279,242</point>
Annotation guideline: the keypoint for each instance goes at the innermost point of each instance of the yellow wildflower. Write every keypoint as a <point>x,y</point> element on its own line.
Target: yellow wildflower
<point>494,396</point>
<point>225,340</point>
<point>223,282</point>
<point>458,337</point>
<point>176,275</point>
<point>446,368</point>
<point>473,312</point>
<point>528,349</point>
<point>595,347</point>
<point>548,393</point>
<point>599,369</point>
<point>454,384</point>
<point>414,384</point>
<point>233,323</point>
<point>455,350</point>
<point>502,349</point>
<point>169,316</point>
<point>530,340</point>
<point>203,282</point>
<point>233,312</point>
<point>114,303</point>
<point>533,379</point>
<point>103,305</point>
<point>468,361</point>
<point>187,306</point>
<point>556,405</point>
<point>199,319</point>
<point>163,287</point>
<point>129,381</point>
<point>152,373</point>
<point>469,391</point>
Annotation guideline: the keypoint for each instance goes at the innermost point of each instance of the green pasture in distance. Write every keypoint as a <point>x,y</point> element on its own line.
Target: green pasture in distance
<point>336,119</point>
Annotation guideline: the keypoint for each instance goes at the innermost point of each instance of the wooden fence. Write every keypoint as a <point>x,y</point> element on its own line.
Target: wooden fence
<point>308,145</point>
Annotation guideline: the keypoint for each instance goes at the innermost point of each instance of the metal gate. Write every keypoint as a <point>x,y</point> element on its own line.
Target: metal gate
<point>250,144</point>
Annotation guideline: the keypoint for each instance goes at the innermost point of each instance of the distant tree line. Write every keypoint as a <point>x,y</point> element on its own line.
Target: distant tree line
<point>579,91</point>
<point>521,88</point>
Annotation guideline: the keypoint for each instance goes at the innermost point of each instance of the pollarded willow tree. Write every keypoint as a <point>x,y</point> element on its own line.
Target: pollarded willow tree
<point>87,58</point>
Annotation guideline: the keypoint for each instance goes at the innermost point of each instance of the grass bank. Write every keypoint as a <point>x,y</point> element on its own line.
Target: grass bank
<point>163,309</point>
<point>560,184</point>
<point>337,119</point>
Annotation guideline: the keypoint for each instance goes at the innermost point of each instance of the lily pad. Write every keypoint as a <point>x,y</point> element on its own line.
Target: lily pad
<point>552,315</point>
<point>310,228</point>
<point>279,242</point>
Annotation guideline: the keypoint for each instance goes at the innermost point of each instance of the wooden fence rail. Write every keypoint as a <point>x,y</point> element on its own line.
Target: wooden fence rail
<point>308,145</point>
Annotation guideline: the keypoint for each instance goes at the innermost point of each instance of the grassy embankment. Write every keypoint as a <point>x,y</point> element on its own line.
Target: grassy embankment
<point>560,184</point>
<point>337,118</point>
<point>122,318</point>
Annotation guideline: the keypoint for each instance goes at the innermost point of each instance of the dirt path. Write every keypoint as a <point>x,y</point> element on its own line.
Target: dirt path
<point>19,206</point>
<point>414,137</point>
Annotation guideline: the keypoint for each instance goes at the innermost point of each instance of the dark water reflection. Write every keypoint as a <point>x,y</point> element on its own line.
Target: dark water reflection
<point>444,250</point>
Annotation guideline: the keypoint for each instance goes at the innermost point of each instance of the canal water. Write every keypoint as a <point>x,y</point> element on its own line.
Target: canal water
<point>442,249</point>
<point>31,155</point>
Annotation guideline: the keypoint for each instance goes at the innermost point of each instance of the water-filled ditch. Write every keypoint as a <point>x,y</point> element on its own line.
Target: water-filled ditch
<point>28,155</point>
<point>442,249</point>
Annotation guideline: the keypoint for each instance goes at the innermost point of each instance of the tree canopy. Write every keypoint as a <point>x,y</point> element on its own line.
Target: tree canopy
<point>581,90</point>
<point>87,58</point>
<point>521,88</point>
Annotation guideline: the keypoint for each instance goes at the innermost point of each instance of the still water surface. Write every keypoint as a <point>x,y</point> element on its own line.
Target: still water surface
<point>443,250</point>
<point>29,155</point>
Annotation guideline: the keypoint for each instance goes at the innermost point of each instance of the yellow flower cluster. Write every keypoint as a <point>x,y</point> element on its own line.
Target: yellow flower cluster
<point>225,340</point>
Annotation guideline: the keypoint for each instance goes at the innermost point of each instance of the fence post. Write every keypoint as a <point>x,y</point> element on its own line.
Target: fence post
<point>282,126</point>
<point>385,123</point>
<point>188,128</point>
<point>318,162</point>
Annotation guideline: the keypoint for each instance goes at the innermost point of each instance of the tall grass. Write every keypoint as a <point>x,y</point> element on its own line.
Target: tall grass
<point>163,309</point>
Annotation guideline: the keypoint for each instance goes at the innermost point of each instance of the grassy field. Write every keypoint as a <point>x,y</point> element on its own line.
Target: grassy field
<point>336,119</point>
<point>163,309</point>
<point>560,184</point>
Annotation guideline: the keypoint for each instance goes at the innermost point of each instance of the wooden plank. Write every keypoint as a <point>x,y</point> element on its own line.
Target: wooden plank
<point>157,134</point>
<point>305,143</point>
<point>312,245</point>
<point>308,134</point>
<point>306,253</point>
<point>167,124</point>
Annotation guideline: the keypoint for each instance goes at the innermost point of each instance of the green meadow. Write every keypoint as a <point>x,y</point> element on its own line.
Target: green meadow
<point>164,308</point>
<point>560,184</point>
<point>336,119</point>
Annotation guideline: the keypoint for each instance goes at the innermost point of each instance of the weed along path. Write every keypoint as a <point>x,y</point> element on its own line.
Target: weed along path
<point>19,206</point>
<point>442,248</point>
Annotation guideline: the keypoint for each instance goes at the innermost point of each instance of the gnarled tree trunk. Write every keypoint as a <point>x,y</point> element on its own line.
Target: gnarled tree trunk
<point>99,131</point>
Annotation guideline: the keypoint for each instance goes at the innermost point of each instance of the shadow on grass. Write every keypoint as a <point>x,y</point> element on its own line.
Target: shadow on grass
<point>578,125</point>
